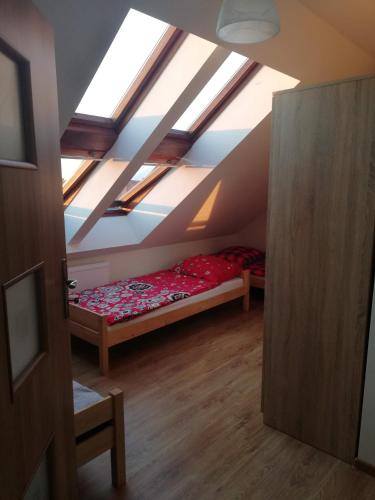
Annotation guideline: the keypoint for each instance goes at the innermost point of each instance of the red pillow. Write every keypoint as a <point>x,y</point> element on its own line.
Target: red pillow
<point>208,267</point>
<point>243,256</point>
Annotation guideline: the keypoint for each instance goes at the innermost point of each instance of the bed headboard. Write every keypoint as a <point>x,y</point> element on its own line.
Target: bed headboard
<point>90,275</point>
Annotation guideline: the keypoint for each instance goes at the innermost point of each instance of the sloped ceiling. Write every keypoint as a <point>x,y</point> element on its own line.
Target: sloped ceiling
<point>308,48</point>
<point>355,20</point>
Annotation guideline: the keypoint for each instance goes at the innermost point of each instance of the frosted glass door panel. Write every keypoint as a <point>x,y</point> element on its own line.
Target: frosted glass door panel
<point>24,326</point>
<point>39,488</point>
<point>12,140</point>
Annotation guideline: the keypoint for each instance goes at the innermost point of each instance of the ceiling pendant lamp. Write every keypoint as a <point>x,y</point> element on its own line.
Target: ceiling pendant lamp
<point>247,21</point>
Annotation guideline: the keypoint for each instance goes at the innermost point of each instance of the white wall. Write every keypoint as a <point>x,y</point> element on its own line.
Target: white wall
<point>126,264</point>
<point>366,450</point>
<point>254,235</point>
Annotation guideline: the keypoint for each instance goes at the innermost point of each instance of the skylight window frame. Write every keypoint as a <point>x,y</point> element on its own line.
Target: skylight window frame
<point>131,53</point>
<point>81,136</point>
<point>162,49</point>
<point>85,126</point>
<point>88,136</point>
<point>154,65</point>
<point>124,205</point>
<point>174,143</point>
<point>72,186</point>
<point>222,99</point>
<point>92,136</point>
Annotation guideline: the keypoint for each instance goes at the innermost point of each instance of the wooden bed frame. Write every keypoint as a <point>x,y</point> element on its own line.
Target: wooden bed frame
<point>257,281</point>
<point>100,427</point>
<point>93,327</point>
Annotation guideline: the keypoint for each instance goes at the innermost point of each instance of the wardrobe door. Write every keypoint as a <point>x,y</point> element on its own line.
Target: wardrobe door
<point>319,262</point>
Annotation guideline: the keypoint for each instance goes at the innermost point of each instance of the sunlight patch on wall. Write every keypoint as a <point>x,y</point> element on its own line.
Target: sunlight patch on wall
<point>203,215</point>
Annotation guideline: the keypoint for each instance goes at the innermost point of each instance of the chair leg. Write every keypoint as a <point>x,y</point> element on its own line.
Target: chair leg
<point>118,451</point>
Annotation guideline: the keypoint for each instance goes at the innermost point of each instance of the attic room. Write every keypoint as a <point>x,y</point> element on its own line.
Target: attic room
<point>187,271</point>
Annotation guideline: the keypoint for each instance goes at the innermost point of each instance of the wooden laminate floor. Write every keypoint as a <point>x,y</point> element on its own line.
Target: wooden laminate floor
<point>193,422</point>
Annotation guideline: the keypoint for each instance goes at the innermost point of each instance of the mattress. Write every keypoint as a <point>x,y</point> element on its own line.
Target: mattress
<point>227,286</point>
<point>127,299</point>
<point>83,396</point>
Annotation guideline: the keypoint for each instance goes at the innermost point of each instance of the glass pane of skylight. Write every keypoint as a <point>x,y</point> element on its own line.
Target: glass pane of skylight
<point>69,167</point>
<point>215,85</point>
<point>141,174</point>
<point>132,46</point>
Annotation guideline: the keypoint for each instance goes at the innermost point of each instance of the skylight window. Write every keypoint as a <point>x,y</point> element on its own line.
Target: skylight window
<point>69,166</point>
<point>141,174</point>
<point>215,85</point>
<point>137,188</point>
<point>134,43</point>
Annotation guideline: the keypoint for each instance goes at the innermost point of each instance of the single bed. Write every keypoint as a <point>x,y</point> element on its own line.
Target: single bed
<point>98,427</point>
<point>248,258</point>
<point>94,327</point>
<point>258,274</point>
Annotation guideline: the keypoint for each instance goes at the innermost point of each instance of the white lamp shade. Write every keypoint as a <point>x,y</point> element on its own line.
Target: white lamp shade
<point>247,21</point>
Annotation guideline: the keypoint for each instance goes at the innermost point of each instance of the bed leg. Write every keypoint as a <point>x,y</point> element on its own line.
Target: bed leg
<point>103,359</point>
<point>118,464</point>
<point>103,349</point>
<point>246,302</point>
<point>246,297</point>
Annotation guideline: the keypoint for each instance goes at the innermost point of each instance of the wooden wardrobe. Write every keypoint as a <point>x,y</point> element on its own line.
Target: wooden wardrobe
<point>320,262</point>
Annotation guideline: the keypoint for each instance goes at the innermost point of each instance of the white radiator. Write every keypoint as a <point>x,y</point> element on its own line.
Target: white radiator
<point>90,275</point>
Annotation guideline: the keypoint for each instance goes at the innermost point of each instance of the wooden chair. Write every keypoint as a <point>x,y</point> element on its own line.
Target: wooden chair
<point>99,428</point>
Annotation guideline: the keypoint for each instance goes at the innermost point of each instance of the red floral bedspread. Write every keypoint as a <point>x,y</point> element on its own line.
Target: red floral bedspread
<point>258,268</point>
<point>126,299</point>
